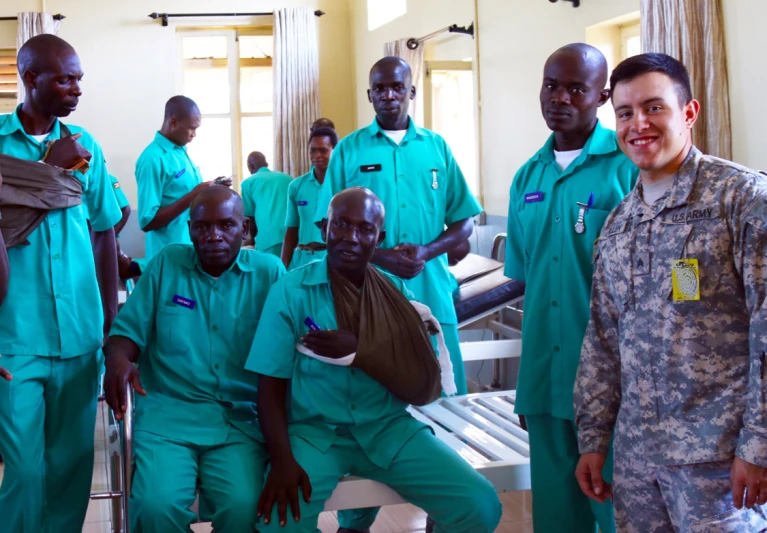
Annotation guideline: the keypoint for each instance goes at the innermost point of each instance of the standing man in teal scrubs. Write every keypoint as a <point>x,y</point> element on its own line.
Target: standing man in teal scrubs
<point>51,320</point>
<point>303,240</point>
<point>428,202</point>
<point>341,420</point>
<point>168,180</point>
<point>122,203</point>
<point>558,203</point>
<point>189,324</point>
<point>265,195</point>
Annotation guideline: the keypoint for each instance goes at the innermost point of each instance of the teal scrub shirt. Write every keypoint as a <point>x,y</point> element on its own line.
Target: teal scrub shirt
<point>122,200</point>
<point>264,197</point>
<point>302,205</point>
<point>544,250</point>
<point>326,401</point>
<point>53,306</point>
<point>164,174</point>
<point>404,178</point>
<point>195,332</point>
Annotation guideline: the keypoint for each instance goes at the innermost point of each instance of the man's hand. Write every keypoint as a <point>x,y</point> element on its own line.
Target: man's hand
<point>749,481</point>
<point>398,263</point>
<point>67,152</point>
<point>589,475</point>
<point>334,344</point>
<point>414,252</point>
<point>281,487</point>
<point>226,181</point>
<point>312,247</point>
<point>120,372</point>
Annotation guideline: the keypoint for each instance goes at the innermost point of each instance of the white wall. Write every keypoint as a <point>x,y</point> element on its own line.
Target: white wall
<point>129,62</point>
<point>422,18</point>
<point>515,38</point>
<point>744,34</point>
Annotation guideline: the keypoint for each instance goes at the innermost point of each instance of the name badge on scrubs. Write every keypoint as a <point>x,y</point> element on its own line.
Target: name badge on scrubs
<point>180,173</point>
<point>184,302</point>
<point>302,202</point>
<point>370,168</point>
<point>533,197</point>
<point>685,280</point>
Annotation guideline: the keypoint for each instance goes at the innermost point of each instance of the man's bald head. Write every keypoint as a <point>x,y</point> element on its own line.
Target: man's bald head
<point>51,72</point>
<point>217,195</point>
<point>182,118</point>
<point>390,64</point>
<point>589,57</point>
<point>390,92</point>
<point>217,228</point>
<point>40,53</point>
<point>353,230</point>
<point>256,161</point>
<point>181,107</point>
<point>573,88</point>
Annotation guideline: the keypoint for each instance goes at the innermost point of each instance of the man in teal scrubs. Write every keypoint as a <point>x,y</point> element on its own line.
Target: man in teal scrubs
<point>51,320</point>
<point>303,241</point>
<point>414,173</point>
<point>265,195</point>
<point>122,203</point>
<point>341,420</point>
<point>189,324</point>
<point>168,180</point>
<point>558,203</point>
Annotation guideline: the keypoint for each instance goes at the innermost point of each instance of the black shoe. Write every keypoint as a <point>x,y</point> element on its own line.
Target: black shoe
<point>429,525</point>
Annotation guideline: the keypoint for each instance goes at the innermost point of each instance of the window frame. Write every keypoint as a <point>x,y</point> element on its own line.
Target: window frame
<point>234,64</point>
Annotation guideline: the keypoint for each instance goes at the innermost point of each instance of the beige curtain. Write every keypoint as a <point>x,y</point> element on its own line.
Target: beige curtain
<point>31,24</point>
<point>693,32</point>
<point>415,60</point>
<point>296,87</point>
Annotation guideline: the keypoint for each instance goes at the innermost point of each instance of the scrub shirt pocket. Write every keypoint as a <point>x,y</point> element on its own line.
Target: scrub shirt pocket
<point>174,327</point>
<point>244,333</point>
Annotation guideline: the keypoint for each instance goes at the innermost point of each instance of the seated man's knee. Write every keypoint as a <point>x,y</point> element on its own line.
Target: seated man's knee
<point>158,508</point>
<point>238,514</point>
<point>478,510</point>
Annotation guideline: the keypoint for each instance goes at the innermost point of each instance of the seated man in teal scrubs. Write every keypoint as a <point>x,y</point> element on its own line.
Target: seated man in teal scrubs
<point>340,420</point>
<point>303,241</point>
<point>168,180</point>
<point>189,324</point>
<point>265,195</point>
<point>51,320</point>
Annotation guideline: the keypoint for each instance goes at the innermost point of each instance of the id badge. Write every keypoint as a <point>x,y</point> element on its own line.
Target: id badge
<point>685,280</point>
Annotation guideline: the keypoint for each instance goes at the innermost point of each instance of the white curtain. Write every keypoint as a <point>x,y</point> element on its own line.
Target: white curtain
<point>30,24</point>
<point>692,31</point>
<point>296,87</point>
<point>414,58</point>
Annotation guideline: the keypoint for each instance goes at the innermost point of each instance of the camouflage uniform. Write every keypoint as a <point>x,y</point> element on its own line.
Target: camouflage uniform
<point>681,382</point>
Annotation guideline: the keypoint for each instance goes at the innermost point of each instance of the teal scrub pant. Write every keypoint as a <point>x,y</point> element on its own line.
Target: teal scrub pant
<point>559,505</point>
<point>362,519</point>
<point>47,426</point>
<point>166,476</point>
<point>425,472</point>
<point>274,250</point>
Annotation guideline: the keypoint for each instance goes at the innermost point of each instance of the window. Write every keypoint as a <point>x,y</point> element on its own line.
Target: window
<point>631,41</point>
<point>381,12</point>
<point>229,74</point>
<point>449,110</point>
<point>8,79</point>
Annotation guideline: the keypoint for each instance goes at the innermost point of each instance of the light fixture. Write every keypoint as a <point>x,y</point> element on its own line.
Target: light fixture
<point>576,3</point>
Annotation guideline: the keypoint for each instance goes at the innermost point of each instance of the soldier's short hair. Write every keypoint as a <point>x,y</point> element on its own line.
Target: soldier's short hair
<point>636,66</point>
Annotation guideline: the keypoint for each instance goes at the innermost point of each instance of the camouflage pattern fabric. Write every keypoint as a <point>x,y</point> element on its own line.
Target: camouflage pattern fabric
<point>680,382</point>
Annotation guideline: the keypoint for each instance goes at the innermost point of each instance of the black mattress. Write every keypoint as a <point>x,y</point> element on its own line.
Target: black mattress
<point>482,286</point>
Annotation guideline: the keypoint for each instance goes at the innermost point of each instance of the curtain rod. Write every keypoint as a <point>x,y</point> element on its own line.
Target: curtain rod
<point>414,43</point>
<point>165,16</point>
<point>55,17</point>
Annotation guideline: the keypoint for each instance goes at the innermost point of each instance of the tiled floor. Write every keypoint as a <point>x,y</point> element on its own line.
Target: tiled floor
<point>517,513</point>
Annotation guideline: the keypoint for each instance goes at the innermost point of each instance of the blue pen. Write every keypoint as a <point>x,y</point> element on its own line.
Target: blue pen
<point>311,324</point>
<point>591,201</point>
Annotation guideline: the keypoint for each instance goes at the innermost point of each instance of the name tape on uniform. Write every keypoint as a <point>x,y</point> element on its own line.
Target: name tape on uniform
<point>533,197</point>
<point>184,302</point>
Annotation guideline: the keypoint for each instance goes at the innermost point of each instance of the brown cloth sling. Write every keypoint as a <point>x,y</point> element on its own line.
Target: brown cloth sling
<point>29,191</point>
<point>393,345</point>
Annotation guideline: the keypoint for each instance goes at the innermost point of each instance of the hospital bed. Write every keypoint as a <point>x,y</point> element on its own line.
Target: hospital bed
<point>481,427</point>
